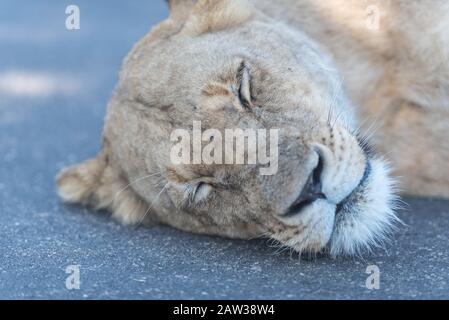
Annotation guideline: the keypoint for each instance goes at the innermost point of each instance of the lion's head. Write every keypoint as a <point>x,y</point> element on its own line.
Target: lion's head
<point>226,64</point>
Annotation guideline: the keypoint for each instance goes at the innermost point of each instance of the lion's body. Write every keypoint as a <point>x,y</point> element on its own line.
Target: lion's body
<point>394,59</point>
<point>321,71</point>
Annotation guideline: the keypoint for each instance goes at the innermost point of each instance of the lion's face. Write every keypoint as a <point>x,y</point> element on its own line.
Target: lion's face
<point>247,72</point>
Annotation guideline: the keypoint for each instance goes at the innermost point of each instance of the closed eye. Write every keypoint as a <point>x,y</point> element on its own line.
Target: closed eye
<point>244,86</point>
<point>198,192</point>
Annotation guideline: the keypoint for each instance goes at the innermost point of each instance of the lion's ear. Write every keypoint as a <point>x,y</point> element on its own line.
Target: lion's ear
<point>79,183</point>
<point>180,9</point>
<point>179,13</point>
<point>195,17</point>
<point>98,184</point>
<point>217,15</point>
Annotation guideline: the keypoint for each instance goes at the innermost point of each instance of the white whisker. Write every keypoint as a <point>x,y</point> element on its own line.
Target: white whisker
<point>152,203</point>
<point>130,184</point>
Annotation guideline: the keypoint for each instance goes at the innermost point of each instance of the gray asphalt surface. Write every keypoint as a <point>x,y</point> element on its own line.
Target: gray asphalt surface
<point>54,86</point>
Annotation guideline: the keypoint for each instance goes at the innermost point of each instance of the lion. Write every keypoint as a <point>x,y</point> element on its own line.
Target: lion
<point>322,72</point>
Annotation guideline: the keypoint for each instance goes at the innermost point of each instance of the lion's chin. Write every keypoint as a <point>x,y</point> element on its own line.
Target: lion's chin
<point>366,218</point>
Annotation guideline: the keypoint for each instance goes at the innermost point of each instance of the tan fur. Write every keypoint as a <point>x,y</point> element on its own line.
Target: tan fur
<point>214,16</point>
<point>317,73</point>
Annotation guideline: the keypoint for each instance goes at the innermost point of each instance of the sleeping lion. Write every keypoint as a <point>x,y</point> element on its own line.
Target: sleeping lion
<point>357,89</point>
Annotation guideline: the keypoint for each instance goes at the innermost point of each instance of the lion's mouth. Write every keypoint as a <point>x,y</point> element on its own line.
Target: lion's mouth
<point>313,191</point>
<point>366,217</point>
<point>352,197</point>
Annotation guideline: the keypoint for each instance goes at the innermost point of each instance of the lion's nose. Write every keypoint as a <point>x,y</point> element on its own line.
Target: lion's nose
<point>312,189</point>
